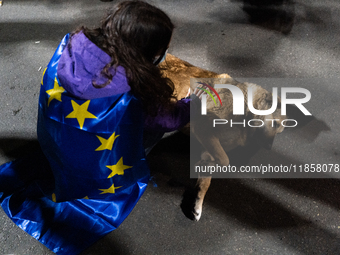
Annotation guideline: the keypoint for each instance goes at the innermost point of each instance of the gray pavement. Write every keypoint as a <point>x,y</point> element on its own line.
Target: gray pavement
<point>296,42</point>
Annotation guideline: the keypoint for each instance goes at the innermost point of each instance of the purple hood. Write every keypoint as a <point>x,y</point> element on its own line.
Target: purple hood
<point>82,63</point>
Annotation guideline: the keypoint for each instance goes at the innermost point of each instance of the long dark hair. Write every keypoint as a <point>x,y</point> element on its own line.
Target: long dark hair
<point>132,34</point>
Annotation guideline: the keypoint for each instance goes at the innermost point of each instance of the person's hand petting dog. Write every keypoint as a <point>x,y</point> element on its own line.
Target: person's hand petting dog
<point>197,92</point>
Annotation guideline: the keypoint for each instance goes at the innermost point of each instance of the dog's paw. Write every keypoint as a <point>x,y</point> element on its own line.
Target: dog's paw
<point>197,212</point>
<point>190,206</point>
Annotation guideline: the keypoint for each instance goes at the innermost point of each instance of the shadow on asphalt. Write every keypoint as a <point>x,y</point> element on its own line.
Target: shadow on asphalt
<point>277,15</point>
<point>16,147</point>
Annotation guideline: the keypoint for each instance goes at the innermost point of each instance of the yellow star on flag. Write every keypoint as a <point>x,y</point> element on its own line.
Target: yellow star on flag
<point>42,78</point>
<point>118,168</point>
<point>80,113</point>
<point>55,93</point>
<point>110,190</point>
<point>106,143</point>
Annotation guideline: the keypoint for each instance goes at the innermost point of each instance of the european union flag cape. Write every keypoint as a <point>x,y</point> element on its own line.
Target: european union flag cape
<point>90,172</point>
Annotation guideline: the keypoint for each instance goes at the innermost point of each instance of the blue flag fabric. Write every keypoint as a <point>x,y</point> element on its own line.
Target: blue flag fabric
<point>90,172</point>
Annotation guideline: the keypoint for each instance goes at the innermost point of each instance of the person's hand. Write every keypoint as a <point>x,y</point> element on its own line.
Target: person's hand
<point>199,92</point>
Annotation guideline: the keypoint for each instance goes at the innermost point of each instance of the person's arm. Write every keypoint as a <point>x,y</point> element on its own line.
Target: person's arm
<point>170,121</point>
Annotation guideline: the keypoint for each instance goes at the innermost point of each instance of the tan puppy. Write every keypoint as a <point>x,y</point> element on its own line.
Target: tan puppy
<point>218,140</point>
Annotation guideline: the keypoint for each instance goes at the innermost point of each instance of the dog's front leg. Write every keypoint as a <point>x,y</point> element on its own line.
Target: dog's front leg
<point>203,183</point>
<point>201,188</point>
<point>215,154</point>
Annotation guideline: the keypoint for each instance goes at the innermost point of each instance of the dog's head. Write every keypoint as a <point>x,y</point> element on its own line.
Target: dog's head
<point>272,123</point>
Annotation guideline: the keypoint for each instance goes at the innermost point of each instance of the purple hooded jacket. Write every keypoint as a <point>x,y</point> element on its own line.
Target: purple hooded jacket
<point>81,63</point>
